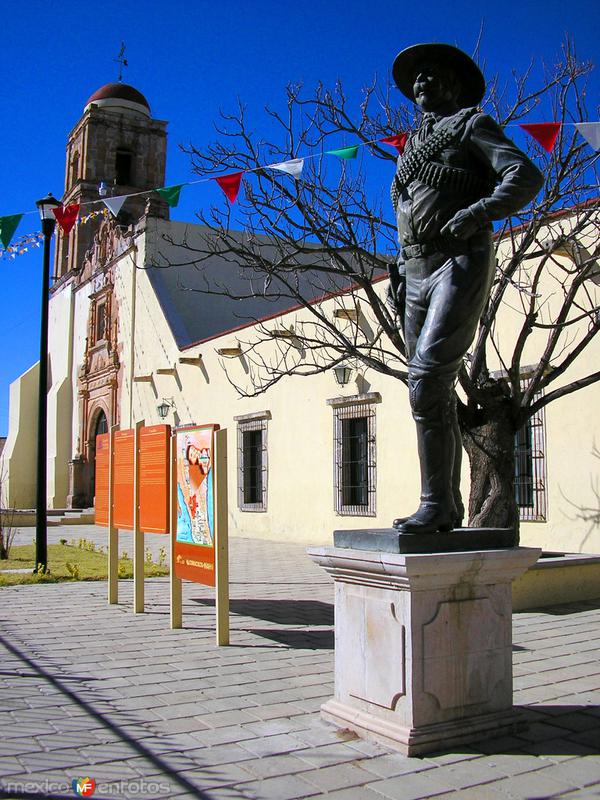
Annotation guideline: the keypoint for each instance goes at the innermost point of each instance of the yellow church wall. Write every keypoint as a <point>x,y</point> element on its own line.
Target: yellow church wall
<point>60,396</point>
<point>81,313</point>
<point>19,455</point>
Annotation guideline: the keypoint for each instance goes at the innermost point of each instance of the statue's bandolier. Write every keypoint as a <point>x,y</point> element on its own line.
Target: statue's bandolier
<point>419,163</point>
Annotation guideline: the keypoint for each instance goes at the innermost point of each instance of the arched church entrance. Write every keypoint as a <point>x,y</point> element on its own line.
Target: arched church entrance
<point>99,425</point>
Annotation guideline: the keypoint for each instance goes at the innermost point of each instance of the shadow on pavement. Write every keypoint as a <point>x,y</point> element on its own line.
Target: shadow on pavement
<point>283,612</point>
<point>298,639</point>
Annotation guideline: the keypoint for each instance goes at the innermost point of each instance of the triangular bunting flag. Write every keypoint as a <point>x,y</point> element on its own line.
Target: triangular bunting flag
<point>66,216</point>
<point>544,133</point>
<point>398,141</point>
<point>114,204</point>
<point>230,184</point>
<point>590,132</point>
<point>171,194</point>
<point>344,152</point>
<point>8,226</point>
<point>293,167</point>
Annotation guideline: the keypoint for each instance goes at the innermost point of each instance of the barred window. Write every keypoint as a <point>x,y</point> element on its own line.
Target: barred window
<point>252,461</point>
<point>530,468</point>
<point>354,467</point>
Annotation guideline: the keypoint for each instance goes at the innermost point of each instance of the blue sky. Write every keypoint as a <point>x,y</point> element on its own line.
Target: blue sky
<point>190,60</point>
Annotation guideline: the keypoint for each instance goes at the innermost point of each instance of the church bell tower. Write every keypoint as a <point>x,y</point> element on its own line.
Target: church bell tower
<point>116,142</point>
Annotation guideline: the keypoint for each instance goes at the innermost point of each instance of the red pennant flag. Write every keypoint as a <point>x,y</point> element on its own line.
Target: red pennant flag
<point>398,141</point>
<point>66,217</point>
<point>230,185</point>
<point>544,133</point>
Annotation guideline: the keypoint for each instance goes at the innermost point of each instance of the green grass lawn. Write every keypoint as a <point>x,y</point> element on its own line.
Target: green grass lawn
<point>69,562</point>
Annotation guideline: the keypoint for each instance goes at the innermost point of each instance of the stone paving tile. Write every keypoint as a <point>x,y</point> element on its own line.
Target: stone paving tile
<point>476,793</point>
<point>273,766</point>
<point>274,745</point>
<point>394,765</point>
<point>183,725</point>
<point>327,755</point>
<point>226,735</point>
<point>270,727</point>
<point>355,793</point>
<point>275,710</point>
<point>411,786</point>
<point>580,772</point>
<point>340,776</point>
<point>289,787</point>
<point>538,784</point>
<point>561,749</point>
<point>322,735</point>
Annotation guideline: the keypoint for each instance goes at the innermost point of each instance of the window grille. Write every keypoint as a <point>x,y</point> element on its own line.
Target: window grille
<point>530,467</point>
<point>355,476</point>
<point>252,462</point>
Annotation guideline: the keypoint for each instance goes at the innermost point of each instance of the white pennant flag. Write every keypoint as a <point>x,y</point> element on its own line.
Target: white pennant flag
<point>590,132</point>
<point>114,204</point>
<point>293,167</point>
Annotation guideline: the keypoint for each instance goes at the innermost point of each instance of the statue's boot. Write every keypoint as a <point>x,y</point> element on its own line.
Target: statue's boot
<point>457,521</point>
<point>435,440</point>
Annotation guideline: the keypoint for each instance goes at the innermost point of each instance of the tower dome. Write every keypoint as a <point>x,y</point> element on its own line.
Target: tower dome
<point>119,97</point>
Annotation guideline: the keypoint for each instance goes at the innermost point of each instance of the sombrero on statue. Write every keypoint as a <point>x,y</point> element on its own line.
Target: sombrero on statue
<point>471,78</point>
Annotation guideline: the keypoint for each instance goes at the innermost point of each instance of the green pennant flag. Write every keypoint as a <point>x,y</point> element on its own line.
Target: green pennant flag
<point>344,152</point>
<point>8,226</point>
<point>170,194</point>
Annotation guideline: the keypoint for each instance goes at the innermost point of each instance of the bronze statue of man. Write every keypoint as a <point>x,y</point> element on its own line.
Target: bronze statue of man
<point>457,174</point>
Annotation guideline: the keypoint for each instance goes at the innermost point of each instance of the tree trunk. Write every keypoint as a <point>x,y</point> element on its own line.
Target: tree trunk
<point>489,439</point>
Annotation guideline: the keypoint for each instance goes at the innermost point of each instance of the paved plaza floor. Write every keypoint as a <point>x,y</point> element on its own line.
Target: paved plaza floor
<point>92,690</point>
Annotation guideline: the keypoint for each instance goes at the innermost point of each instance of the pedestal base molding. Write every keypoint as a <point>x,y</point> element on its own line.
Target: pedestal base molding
<point>426,739</point>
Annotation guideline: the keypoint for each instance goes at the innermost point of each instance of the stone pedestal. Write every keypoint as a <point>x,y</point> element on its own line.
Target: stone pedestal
<point>423,644</point>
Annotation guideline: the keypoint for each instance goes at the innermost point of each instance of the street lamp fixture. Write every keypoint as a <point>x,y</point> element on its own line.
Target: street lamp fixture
<point>342,374</point>
<point>45,206</point>
<point>163,408</point>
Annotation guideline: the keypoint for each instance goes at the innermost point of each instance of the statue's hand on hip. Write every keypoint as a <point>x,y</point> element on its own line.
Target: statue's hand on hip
<point>463,225</point>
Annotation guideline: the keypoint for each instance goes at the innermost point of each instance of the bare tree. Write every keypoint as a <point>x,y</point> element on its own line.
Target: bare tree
<point>331,235</point>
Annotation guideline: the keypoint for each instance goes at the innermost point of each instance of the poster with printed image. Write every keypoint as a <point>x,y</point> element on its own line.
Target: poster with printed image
<point>195,521</point>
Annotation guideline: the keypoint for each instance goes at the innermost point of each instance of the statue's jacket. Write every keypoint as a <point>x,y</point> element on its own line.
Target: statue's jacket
<point>460,162</point>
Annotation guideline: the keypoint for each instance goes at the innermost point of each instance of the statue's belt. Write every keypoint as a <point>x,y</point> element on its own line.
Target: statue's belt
<point>446,245</point>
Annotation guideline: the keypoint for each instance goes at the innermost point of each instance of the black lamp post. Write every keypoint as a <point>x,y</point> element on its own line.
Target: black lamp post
<point>45,207</point>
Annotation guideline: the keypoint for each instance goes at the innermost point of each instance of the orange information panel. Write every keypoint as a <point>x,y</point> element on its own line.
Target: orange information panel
<point>123,452</point>
<point>153,462</point>
<point>102,478</point>
<point>195,529</point>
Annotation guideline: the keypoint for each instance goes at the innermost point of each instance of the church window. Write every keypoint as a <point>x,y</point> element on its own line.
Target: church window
<point>354,454</point>
<point>100,322</point>
<point>252,461</point>
<point>75,169</point>
<point>124,167</point>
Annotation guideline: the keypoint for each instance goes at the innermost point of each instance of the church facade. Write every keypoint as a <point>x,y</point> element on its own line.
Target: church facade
<point>131,339</point>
